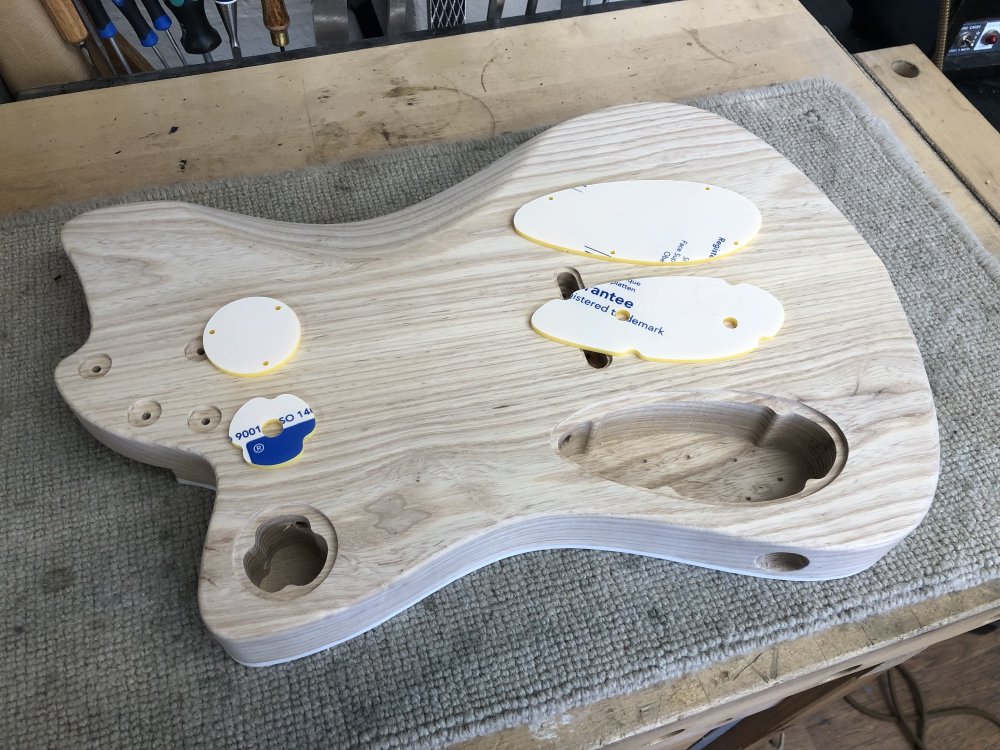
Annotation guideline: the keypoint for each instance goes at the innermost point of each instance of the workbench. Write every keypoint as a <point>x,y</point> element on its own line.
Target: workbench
<point>292,114</point>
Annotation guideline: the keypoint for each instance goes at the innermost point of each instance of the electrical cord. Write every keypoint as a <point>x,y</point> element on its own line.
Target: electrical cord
<point>916,734</point>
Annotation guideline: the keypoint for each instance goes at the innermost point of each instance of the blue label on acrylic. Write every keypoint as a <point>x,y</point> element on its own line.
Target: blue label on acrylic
<point>280,449</point>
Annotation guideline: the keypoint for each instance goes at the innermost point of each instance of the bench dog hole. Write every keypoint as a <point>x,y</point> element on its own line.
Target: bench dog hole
<point>286,552</point>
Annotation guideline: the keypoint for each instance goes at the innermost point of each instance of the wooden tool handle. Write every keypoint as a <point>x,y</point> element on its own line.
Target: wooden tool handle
<point>275,15</point>
<point>66,20</point>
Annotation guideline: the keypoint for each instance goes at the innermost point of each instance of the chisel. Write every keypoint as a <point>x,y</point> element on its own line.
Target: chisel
<point>276,21</point>
<point>70,25</point>
<point>227,11</point>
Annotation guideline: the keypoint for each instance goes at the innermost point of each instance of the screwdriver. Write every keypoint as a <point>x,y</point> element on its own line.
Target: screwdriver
<point>227,11</point>
<point>276,21</point>
<point>93,42</point>
<point>161,22</point>
<point>147,37</point>
<point>69,25</point>
<point>197,35</point>
<point>106,29</point>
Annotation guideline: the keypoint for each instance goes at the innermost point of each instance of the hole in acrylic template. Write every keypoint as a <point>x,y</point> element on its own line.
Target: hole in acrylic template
<point>730,322</point>
<point>781,562</point>
<point>712,451</point>
<point>905,69</point>
<point>286,552</point>
<point>144,412</point>
<point>271,428</point>
<point>623,314</point>
<point>94,366</point>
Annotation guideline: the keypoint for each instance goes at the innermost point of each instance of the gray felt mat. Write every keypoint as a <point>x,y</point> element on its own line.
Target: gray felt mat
<point>101,644</point>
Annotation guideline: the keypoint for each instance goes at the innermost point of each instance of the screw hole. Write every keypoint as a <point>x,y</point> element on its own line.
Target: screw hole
<point>195,350</point>
<point>905,69</point>
<point>204,418</point>
<point>143,413</point>
<point>95,366</point>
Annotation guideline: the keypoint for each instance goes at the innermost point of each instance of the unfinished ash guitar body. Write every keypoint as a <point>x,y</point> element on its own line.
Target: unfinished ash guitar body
<point>437,432</point>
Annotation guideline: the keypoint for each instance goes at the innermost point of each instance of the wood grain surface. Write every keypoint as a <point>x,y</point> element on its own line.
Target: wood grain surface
<point>932,104</point>
<point>448,433</point>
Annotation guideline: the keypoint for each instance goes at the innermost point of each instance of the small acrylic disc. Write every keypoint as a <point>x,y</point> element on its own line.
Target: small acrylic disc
<point>251,336</point>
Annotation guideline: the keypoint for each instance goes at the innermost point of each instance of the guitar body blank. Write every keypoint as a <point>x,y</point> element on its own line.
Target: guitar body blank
<point>449,435</point>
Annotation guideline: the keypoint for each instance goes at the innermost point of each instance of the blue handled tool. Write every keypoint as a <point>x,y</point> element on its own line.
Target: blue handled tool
<point>106,29</point>
<point>161,22</point>
<point>147,37</point>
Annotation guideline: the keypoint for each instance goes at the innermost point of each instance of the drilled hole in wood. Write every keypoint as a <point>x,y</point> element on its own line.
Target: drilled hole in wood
<point>144,412</point>
<point>204,418</point>
<point>597,360</point>
<point>94,366</point>
<point>781,562</point>
<point>714,451</point>
<point>569,282</point>
<point>905,69</point>
<point>195,350</point>
<point>286,552</point>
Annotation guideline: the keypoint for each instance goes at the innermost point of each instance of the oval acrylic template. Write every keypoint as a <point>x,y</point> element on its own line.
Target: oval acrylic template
<point>652,222</point>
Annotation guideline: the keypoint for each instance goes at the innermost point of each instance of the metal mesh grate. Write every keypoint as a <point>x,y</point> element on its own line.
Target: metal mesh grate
<point>445,14</point>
